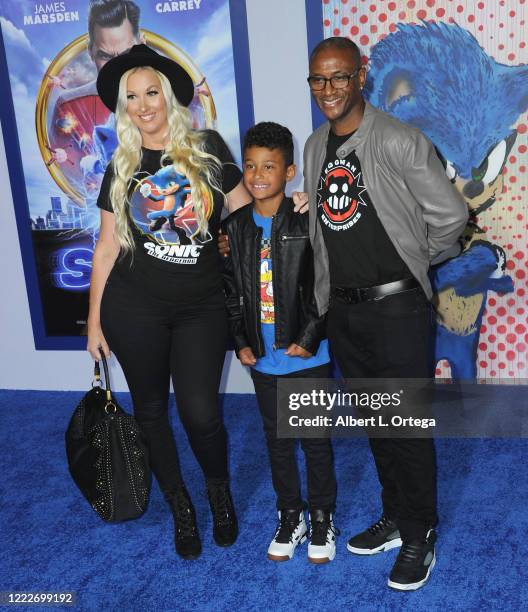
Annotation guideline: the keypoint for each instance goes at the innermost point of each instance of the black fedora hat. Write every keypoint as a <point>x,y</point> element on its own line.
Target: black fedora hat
<point>141,55</point>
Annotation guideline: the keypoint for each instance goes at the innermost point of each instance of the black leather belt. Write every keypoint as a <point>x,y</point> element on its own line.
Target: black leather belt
<point>365,294</point>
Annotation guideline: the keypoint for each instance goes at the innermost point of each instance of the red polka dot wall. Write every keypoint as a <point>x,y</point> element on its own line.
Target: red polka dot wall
<point>499,28</point>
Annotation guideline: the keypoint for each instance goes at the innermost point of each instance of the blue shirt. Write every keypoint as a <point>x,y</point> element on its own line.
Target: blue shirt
<point>275,361</point>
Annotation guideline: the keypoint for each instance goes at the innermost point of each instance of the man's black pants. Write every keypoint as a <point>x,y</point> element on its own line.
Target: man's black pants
<point>392,338</point>
<point>318,452</point>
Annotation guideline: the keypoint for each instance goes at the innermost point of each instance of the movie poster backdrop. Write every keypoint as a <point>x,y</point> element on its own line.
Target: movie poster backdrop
<point>59,136</point>
<point>457,70</point>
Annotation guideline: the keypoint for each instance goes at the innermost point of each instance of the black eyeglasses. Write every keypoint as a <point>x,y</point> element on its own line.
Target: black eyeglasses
<point>339,81</point>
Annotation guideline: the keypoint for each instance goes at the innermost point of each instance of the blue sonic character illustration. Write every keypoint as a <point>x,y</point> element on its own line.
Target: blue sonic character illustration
<point>435,76</point>
<point>463,282</point>
<point>104,141</point>
<point>173,188</point>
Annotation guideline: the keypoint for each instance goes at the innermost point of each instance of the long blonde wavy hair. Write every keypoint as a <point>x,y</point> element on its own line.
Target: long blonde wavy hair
<point>185,149</point>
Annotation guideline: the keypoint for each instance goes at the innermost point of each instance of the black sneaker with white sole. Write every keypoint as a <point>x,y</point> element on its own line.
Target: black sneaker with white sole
<point>381,536</point>
<point>414,563</point>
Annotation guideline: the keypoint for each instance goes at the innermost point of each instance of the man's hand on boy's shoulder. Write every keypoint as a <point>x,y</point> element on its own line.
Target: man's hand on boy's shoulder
<point>246,356</point>
<point>300,205</point>
<point>300,201</point>
<point>294,350</point>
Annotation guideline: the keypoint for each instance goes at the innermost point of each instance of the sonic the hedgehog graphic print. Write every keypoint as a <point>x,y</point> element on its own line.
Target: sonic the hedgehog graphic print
<point>162,206</point>
<point>435,76</point>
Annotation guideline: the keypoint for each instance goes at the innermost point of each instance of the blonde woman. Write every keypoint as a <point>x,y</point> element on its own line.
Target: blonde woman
<point>156,292</point>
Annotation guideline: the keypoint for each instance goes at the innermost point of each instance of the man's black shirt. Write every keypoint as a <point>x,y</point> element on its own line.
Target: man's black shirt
<point>359,249</point>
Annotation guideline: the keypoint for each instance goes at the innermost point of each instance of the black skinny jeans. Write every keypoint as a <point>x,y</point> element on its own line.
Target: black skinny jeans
<point>318,453</point>
<point>155,341</point>
<point>392,338</point>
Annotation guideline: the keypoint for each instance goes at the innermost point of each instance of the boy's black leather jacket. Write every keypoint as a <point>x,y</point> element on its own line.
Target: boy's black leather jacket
<point>296,318</point>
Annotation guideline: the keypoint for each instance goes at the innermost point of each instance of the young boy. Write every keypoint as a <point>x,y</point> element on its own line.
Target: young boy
<point>277,332</point>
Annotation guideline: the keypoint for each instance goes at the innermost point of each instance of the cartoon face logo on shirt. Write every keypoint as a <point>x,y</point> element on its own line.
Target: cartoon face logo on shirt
<point>340,195</point>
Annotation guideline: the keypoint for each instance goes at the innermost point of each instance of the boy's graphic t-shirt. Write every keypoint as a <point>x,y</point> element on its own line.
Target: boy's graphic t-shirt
<point>275,361</point>
<point>171,259</point>
<point>267,308</point>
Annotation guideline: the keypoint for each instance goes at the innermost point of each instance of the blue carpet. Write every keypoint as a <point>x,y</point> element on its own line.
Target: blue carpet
<point>52,540</point>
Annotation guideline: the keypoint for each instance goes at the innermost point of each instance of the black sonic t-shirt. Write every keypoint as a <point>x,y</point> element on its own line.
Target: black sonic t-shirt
<point>171,259</point>
<point>360,252</point>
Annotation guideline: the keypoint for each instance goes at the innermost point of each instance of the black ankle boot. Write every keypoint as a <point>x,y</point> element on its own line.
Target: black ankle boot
<point>186,536</point>
<point>225,525</point>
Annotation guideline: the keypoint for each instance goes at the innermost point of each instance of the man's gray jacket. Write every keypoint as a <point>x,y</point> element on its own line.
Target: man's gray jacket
<point>420,209</point>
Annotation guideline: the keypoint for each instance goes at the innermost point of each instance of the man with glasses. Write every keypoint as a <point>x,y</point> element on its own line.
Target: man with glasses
<point>381,210</point>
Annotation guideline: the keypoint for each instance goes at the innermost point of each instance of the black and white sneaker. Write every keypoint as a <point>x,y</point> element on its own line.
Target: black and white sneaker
<point>381,536</point>
<point>323,533</point>
<point>414,564</point>
<point>290,533</point>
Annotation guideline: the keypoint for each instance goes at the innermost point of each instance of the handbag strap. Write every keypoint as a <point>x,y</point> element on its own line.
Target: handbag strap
<point>97,376</point>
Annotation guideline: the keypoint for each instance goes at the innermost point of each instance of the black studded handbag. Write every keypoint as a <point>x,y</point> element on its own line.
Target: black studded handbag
<point>107,454</point>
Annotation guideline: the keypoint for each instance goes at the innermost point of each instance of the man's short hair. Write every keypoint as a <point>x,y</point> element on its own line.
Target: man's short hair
<point>338,42</point>
<point>271,136</point>
<point>111,14</point>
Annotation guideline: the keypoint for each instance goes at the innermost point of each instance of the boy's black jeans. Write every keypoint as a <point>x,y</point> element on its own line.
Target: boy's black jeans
<point>392,338</point>
<point>318,453</point>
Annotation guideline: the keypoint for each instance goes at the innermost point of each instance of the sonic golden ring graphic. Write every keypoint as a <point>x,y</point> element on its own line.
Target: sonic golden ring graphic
<point>61,62</point>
